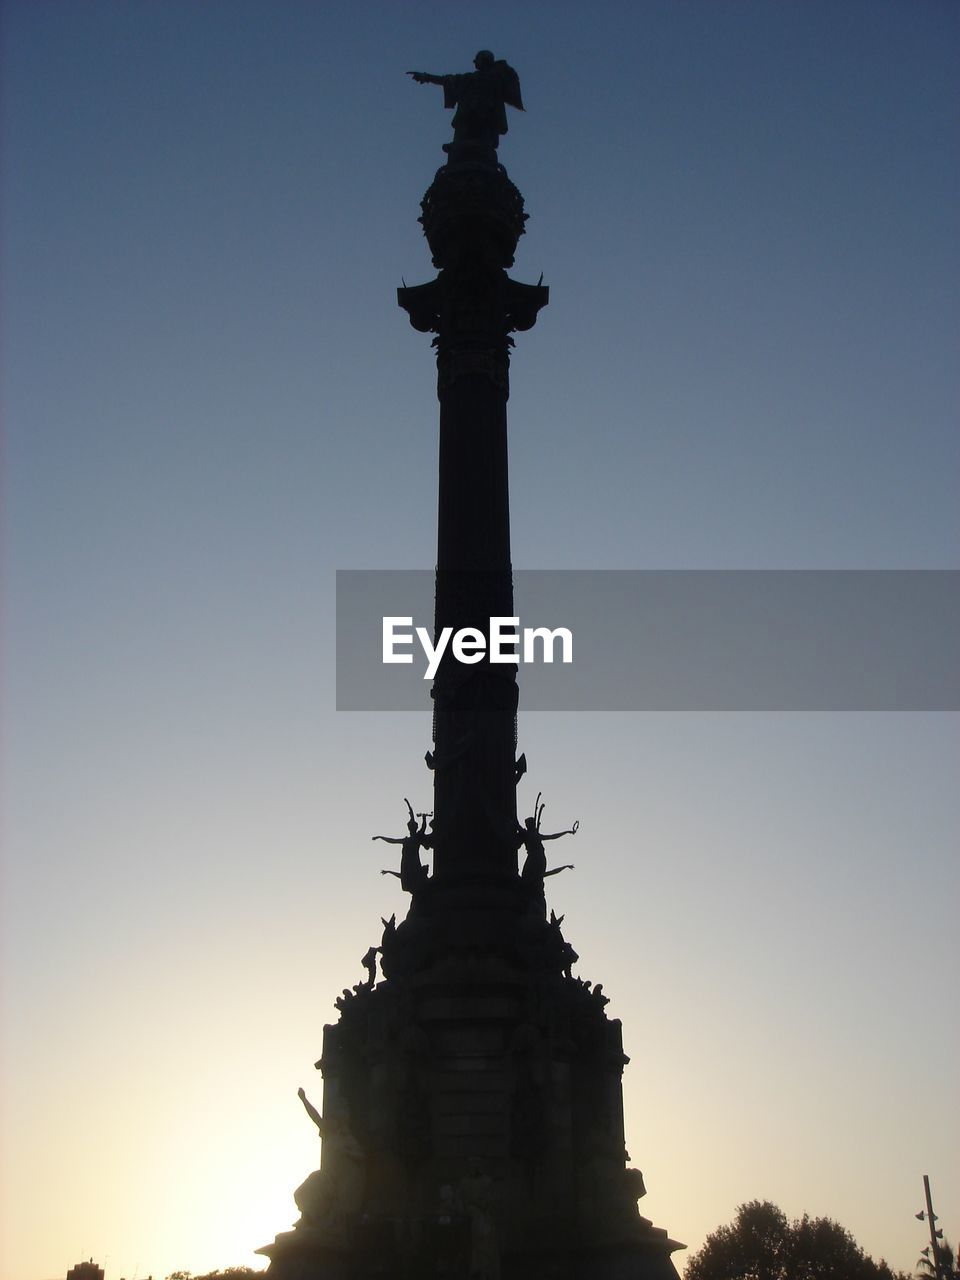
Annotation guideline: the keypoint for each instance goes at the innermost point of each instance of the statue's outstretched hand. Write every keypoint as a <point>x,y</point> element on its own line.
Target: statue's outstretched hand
<point>575,828</point>
<point>302,1095</point>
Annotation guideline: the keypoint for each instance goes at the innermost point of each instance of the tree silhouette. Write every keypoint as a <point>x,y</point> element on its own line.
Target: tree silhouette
<point>926,1270</point>
<point>761,1244</point>
<point>229,1273</point>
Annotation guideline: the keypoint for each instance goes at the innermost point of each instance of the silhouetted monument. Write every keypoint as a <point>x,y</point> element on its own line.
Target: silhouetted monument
<point>472,1103</point>
<point>85,1271</point>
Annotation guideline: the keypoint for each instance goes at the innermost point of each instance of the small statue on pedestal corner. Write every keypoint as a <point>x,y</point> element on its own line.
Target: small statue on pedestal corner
<point>369,963</point>
<point>566,954</point>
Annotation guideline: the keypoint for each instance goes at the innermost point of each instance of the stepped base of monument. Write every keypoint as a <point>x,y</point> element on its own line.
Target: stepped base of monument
<point>473,1106</point>
<point>390,1249</point>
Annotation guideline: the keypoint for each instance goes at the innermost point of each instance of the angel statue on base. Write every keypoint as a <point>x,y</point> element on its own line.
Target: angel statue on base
<point>534,869</point>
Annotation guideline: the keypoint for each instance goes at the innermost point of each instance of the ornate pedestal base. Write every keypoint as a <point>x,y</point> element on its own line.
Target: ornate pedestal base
<point>473,1113</point>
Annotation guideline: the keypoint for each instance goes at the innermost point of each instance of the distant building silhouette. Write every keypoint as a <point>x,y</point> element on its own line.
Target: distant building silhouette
<point>85,1271</point>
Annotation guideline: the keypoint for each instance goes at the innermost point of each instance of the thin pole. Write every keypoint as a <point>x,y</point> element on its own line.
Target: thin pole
<point>937,1265</point>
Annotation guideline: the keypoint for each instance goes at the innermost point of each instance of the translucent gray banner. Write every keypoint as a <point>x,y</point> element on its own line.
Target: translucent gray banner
<point>691,640</point>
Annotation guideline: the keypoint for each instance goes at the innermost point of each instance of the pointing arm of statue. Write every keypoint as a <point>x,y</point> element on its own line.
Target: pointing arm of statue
<point>501,79</point>
<point>424,77</point>
<point>311,1110</point>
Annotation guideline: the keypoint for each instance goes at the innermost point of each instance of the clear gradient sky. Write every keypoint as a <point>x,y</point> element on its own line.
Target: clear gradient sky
<point>747,215</point>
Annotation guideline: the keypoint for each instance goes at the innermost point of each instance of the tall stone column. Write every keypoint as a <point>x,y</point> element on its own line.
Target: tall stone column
<point>473,217</point>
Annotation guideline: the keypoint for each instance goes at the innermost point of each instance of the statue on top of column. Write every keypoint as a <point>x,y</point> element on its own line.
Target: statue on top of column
<point>481,98</point>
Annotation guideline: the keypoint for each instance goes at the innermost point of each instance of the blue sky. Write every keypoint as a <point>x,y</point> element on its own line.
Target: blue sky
<point>746,213</point>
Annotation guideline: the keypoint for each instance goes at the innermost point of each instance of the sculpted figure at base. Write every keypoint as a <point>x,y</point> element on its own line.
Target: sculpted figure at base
<point>481,98</point>
<point>450,1250</point>
<point>330,1198</point>
<point>477,1197</point>
<point>565,952</point>
<point>369,963</point>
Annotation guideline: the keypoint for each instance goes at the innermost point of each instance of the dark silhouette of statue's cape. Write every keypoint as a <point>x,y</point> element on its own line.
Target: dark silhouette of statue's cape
<point>482,97</point>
